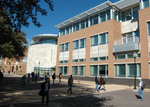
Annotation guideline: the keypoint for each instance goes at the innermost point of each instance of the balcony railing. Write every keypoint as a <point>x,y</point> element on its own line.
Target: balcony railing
<point>126,44</point>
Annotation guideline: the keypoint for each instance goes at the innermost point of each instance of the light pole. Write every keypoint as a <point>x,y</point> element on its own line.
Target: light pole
<point>135,55</point>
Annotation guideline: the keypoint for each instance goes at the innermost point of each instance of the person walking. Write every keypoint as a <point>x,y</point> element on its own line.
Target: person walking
<point>96,82</point>
<point>28,77</point>
<point>45,90</point>
<point>70,83</point>
<point>53,77</point>
<point>140,92</point>
<point>102,82</point>
<point>23,80</point>
<point>60,76</point>
<point>35,78</point>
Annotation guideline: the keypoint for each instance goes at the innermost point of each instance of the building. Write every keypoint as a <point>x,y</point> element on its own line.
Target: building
<point>14,66</point>
<point>111,39</point>
<point>42,54</point>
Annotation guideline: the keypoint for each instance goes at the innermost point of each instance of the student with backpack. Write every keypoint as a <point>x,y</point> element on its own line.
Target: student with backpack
<point>141,88</point>
<point>45,86</point>
<point>60,76</point>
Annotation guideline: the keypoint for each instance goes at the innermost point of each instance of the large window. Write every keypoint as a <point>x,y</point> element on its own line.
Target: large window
<point>93,70</point>
<point>148,28</point>
<point>76,44</point>
<point>129,14</point>
<point>103,70</point>
<point>101,39</point>
<point>102,17</point>
<point>61,48</point>
<point>84,23</point>
<point>94,40</point>
<point>76,27</point>
<point>135,12</point>
<point>120,70</point>
<point>82,43</point>
<point>94,20</point>
<point>63,70</point>
<point>78,70</point>
<point>64,47</point>
<point>128,70</point>
<point>130,37</point>
<point>145,3</point>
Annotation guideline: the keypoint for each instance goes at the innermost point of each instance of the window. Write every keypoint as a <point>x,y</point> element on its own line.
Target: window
<point>94,40</point>
<point>65,61</point>
<point>135,12</point>
<point>76,44</point>
<point>82,43</point>
<point>120,57</point>
<point>128,14</point>
<point>120,70</point>
<point>81,60</point>
<point>94,20</point>
<point>63,70</point>
<point>61,49</point>
<point>67,30</point>
<point>94,59</point>
<point>66,46</point>
<point>84,23</point>
<point>93,70</point>
<point>76,27</point>
<point>103,70</point>
<point>75,60</point>
<point>108,14</point>
<point>81,71</point>
<point>61,62</point>
<point>145,3</point>
<point>103,39</point>
<point>130,55</point>
<point>102,17</point>
<point>75,70</point>
<point>148,28</point>
<point>131,70</point>
<point>103,58</point>
<point>62,32</point>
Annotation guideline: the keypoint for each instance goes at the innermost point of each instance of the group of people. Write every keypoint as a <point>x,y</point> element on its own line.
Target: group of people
<point>99,82</point>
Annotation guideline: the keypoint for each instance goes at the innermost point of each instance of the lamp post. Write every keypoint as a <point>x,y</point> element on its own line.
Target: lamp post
<point>135,55</point>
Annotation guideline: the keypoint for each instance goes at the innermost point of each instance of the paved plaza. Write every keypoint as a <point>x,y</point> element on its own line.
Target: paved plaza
<point>12,94</point>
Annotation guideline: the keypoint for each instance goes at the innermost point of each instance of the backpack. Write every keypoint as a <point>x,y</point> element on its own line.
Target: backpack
<point>143,86</point>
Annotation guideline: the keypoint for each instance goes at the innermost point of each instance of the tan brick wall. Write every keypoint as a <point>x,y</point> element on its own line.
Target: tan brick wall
<point>144,17</point>
<point>114,33</point>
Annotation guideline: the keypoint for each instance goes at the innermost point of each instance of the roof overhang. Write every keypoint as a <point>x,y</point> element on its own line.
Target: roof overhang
<point>37,38</point>
<point>85,14</point>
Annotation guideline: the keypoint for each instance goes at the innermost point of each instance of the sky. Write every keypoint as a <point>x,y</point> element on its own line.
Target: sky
<point>63,10</point>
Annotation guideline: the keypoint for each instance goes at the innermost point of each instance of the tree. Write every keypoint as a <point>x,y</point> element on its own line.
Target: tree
<point>13,15</point>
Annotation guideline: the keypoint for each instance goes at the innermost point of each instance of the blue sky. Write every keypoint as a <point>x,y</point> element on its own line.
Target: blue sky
<point>63,10</point>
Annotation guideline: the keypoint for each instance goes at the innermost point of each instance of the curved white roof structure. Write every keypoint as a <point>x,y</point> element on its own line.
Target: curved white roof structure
<point>39,37</point>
